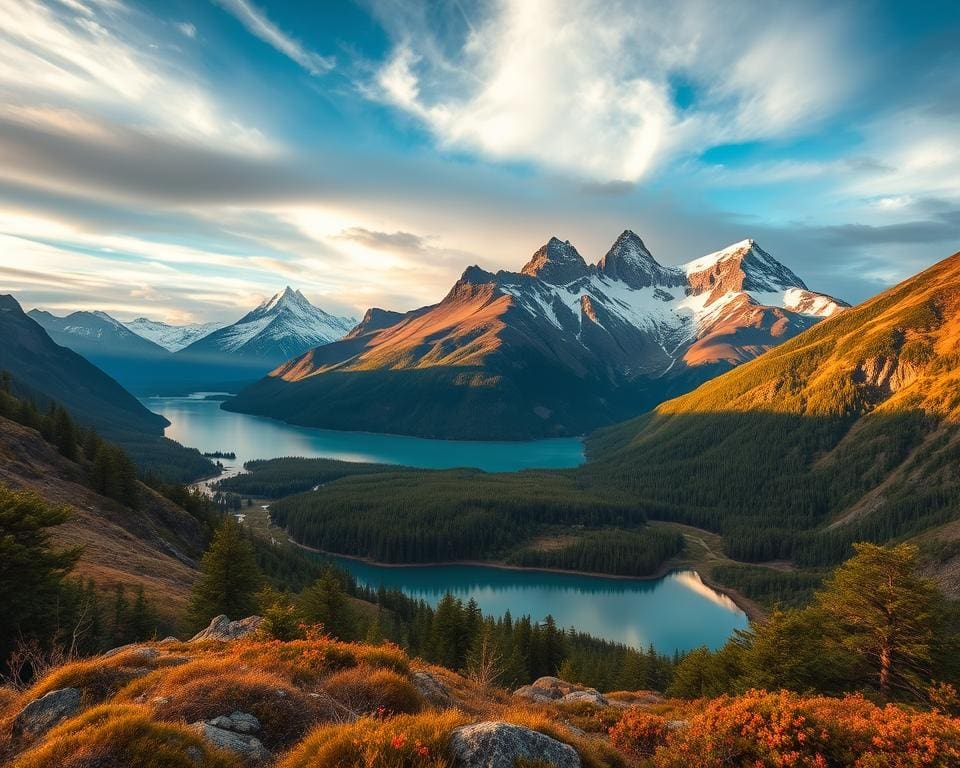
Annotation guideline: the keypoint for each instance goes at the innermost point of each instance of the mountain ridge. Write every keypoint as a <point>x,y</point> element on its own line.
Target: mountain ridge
<point>558,348</point>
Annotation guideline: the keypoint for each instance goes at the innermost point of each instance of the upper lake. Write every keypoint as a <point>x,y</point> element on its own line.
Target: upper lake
<point>200,423</point>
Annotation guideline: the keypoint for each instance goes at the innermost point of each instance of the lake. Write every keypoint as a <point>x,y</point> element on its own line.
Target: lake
<point>200,423</point>
<point>677,611</point>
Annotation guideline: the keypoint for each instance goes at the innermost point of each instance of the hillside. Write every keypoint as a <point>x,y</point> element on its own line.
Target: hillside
<point>847,432</point>
<point>156,545</point>
<point>45,371</point>
<point>315,701</point>
<point>559,348</point>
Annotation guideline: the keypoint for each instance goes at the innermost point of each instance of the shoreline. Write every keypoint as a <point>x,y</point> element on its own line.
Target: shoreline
<point>752,611</point>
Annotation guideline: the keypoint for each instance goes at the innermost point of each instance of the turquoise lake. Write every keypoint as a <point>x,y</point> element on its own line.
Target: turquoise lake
<point>677,611</point>
<point>201,424</point>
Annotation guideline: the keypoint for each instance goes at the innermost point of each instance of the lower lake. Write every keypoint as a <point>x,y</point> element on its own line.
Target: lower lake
<point>676,612</point>
<point>200,423</point>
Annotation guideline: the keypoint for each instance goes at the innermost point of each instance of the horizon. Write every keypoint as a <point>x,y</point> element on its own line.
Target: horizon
<point>169,160</point>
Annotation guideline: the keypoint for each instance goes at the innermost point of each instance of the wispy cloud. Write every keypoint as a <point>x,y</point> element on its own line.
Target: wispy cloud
<point>589,87</point>
<point>257,23</point>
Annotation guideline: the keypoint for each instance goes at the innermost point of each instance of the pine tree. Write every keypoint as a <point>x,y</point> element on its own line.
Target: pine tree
<point>886,613</point>
<point>30,571</point>
<point>64,433</point>
<point>229,577</point>
<point>325,602</point>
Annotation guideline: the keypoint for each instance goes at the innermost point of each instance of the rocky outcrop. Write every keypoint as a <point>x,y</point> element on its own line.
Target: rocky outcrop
<point>235,734</point>
<point>432,689</point>
<point>500,745</point>
<point>40,715</point>
<point>221,628</point>
<point>546,689</point>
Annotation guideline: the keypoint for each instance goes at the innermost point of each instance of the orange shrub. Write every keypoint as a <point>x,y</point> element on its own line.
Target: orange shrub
<point>98,677</point>
<point>206,688</point>
<point>407,741</point>
<point>638,733</point>
<point>785,730</point>
<point>366,690</point>
<point>122,735</point>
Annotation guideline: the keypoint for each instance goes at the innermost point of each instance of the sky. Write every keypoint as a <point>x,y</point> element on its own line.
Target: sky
<point>184,159</point>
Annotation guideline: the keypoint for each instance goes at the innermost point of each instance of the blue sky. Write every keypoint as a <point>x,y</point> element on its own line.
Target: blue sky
<point>182,160</point>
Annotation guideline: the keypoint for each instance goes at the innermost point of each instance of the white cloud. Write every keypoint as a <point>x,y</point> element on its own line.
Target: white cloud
<point>186,28</point>
<point>586,86</point>
<point>258,24</point>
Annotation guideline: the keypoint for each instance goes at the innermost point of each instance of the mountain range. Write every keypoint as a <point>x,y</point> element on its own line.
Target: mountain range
<point>559,348</point>
<point>147,356</point>
<point>47,372</point>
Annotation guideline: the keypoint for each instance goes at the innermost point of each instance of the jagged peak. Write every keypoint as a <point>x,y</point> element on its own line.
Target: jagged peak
<point>741,266</point>
<point>630,261</point>
<point>557,262</point>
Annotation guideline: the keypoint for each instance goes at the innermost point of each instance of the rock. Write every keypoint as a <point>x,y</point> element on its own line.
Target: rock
<point>40,715</point>
<point>233,733</point>
<point>547,689</point>
<point>140,651</point>
<point>589,695</point>
<point>432,689</point>
<point>675,725</point>
<point>221,628</point>
<point>170,639</point>
<point>499,745</point>
<point>160,701</point>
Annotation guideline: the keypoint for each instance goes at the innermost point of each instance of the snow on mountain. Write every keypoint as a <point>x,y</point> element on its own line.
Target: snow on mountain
<point>171,337</point>
<point>283,326</point>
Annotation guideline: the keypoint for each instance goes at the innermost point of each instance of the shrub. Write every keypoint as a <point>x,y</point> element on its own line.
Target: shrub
<point>367,690</point>
<point>98,678</point>
<point>407,741</point>
<point>638,733</point>
<point>206,688</point>
<point>776,730</point>
<point>122,735</point>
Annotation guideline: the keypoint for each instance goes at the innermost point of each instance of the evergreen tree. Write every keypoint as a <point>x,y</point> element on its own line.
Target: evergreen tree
<point>64,433</point>
<point>30,571</point>
<point>887,614</point>
<point>229,577</point>
<point>325,602</point>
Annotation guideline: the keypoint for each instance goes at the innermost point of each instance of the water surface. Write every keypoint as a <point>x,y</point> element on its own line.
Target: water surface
<point>200,423</point>
<point>677,611</point>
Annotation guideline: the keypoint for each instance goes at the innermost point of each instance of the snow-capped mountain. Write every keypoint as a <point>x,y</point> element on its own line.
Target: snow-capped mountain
<point>171,337</point>
<point>284,326</point>
<point>95,333</point>
<point>560,347</point>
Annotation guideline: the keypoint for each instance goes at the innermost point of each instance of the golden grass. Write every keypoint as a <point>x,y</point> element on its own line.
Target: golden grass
<point>115,736</point>
<point>367,690</point>
<point>207,688</point>
<point>407,741</point>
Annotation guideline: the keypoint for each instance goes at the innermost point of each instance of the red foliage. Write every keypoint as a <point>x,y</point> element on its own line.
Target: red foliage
<point>638,733</point>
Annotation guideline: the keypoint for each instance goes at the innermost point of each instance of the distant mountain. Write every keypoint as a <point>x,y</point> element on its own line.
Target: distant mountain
<point>284,326</point>
<point>559,348</point>
<point>849,432</point>
<point>44,370</point>
<point>96,335</point>
<point>173,338</point>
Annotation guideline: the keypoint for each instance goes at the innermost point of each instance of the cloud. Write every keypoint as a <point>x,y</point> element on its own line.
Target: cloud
<point>258,24</point>
<point>944,228</point>
<point>588,87</point>
<point>186,28</point>
<point>404,241</point>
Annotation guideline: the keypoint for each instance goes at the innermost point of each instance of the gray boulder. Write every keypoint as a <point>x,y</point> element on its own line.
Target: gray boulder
<point>499,745</point>
<point>432,689</point>
<point>221,628</point>
<point>40,715</point>
<point>235,734</point>
<point>588,695</point>
<point>546,689</point>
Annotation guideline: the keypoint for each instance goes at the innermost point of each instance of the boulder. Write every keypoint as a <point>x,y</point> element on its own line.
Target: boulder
<point>546,689</point>
<point>500,745</point>
<point>432,689</point>
<point>234,733</point>
<point>221,628</point>
<point>40,715</point>
<point>588,695</point>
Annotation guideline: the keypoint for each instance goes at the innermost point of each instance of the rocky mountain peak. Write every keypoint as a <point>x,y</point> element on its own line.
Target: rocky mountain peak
<point>557,263</point>
<point>743,266</point>
<point>631,262</point>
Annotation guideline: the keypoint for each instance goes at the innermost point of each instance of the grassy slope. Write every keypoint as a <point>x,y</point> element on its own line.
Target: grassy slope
<point>156,546</point>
